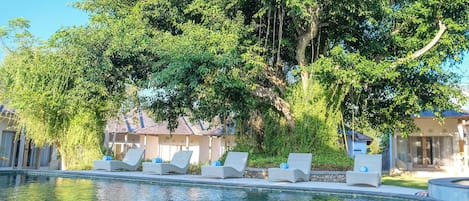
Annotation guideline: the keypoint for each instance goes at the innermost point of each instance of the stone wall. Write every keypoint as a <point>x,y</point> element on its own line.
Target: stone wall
<point>318,176</point>
<point>328,176</point>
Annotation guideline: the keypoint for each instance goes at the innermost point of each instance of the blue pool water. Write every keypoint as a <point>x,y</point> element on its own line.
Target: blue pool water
<point>23,186</point>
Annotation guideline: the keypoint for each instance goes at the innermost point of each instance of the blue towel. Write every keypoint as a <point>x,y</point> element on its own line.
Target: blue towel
<point>216,163</point>
<point>284,165</point>
<point>157,160</point>
<point>363,169</point>
<point>107,158</point>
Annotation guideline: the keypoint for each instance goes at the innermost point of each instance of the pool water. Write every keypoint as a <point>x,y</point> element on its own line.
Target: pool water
<point>23,186</point>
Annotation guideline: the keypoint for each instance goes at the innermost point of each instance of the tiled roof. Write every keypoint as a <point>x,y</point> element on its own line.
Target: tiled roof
<point>358,136</point>
<point>447,113</point>
<point>5,109</point>
<point>151,127</point>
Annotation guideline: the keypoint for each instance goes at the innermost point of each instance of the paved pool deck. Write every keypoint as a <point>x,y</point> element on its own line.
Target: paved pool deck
<point>327,187</point>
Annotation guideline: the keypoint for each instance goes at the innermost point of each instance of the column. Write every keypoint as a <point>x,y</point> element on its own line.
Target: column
<point>21,153</point>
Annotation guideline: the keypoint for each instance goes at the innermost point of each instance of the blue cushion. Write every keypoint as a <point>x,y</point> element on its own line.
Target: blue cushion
<point>284,165</point>
<point>157,160</point>
<point>107,158</point>
<point>216,163</point>
<point>363,169</point>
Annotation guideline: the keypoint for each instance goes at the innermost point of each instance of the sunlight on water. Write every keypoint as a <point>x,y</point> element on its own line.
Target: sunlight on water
<point>35,187</point>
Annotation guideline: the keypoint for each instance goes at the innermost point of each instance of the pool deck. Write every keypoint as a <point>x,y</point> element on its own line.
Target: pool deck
<point>329,187</point>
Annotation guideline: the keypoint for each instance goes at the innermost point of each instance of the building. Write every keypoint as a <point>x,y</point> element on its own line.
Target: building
<point>12,149</point>
<point>438,145</point>
<point>357,143</point>
<point>137,129</point>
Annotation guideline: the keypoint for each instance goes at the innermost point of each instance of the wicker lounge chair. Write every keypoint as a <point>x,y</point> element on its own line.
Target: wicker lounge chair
<point>130,162</point>
<point>366,170</point>
<point>234,166</point>
<point>179,164</point>
<point>299,168</point>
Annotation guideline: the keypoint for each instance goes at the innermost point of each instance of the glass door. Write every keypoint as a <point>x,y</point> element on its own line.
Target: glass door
<point>424,151</point>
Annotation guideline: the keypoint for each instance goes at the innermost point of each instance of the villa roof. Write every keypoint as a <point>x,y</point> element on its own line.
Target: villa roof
<point>359,136</point>
<point>464,114</point>
<point>140,123</point>
<point>5,110</point>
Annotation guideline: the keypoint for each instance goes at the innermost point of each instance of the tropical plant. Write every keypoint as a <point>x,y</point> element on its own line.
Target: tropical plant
<point>289,72</point>
<point>58,99</point>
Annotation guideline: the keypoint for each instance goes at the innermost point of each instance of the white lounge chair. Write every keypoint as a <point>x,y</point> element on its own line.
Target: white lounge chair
<point>130,162</point>
<point>234,166</point>
<point>299,168</point>
<point>366,170</point>
<point>179,164</point>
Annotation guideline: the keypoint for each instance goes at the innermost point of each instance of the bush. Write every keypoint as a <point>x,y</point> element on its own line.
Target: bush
<point>322,160</point>
<point>317,119</point>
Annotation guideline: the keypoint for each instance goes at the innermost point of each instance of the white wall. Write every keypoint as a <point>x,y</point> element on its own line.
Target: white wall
<point>433,128</point>
<point>165,146</point>
<point>356,147</point>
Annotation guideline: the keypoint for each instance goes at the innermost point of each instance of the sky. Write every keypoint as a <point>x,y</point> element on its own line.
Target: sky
<point>45,16</point>
<point>48,16</point>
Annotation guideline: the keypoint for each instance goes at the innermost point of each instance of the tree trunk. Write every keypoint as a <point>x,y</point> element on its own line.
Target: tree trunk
<point>279,103</point>
<point>304,39</point>
<point>281,14</point>
<point>38,157</point>
<point>273,32</point>
<point>63,156</point>
<point>268,28</point>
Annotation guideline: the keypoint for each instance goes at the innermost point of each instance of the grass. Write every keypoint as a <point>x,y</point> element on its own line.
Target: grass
<point>406,181</point>
<point>327,161</point>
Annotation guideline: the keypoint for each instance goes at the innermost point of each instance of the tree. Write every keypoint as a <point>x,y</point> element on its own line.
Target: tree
<point>377,61</point>
<point>58,97</point>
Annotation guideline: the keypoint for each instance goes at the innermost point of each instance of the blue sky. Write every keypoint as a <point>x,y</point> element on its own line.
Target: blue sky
<point>48,16</point>
<point>45,16</point>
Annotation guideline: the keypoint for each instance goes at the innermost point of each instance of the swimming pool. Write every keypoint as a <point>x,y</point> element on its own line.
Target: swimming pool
<point>24,186</point>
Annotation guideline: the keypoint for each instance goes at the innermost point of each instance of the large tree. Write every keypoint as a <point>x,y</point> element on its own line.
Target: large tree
<point>376,62</point>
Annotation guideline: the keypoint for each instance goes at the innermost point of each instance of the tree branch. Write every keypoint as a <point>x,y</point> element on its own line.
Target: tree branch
<point>427,47</point>
<point>279,104</point>
<point>273,76</point>
<point>432,43</point>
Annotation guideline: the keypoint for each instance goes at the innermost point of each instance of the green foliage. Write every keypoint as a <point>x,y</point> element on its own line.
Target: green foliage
<point>332,159</point>
<point>210,58</point>
<point>316,124</point>
<point>316,118</point>
<point>323,159</point>
<point>263,161</point>
<point>385,101</point>
<point>56,101</point>
<point>195,169</point>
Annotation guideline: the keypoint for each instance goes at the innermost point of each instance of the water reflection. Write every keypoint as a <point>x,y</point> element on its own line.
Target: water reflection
<point>33,187</point>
